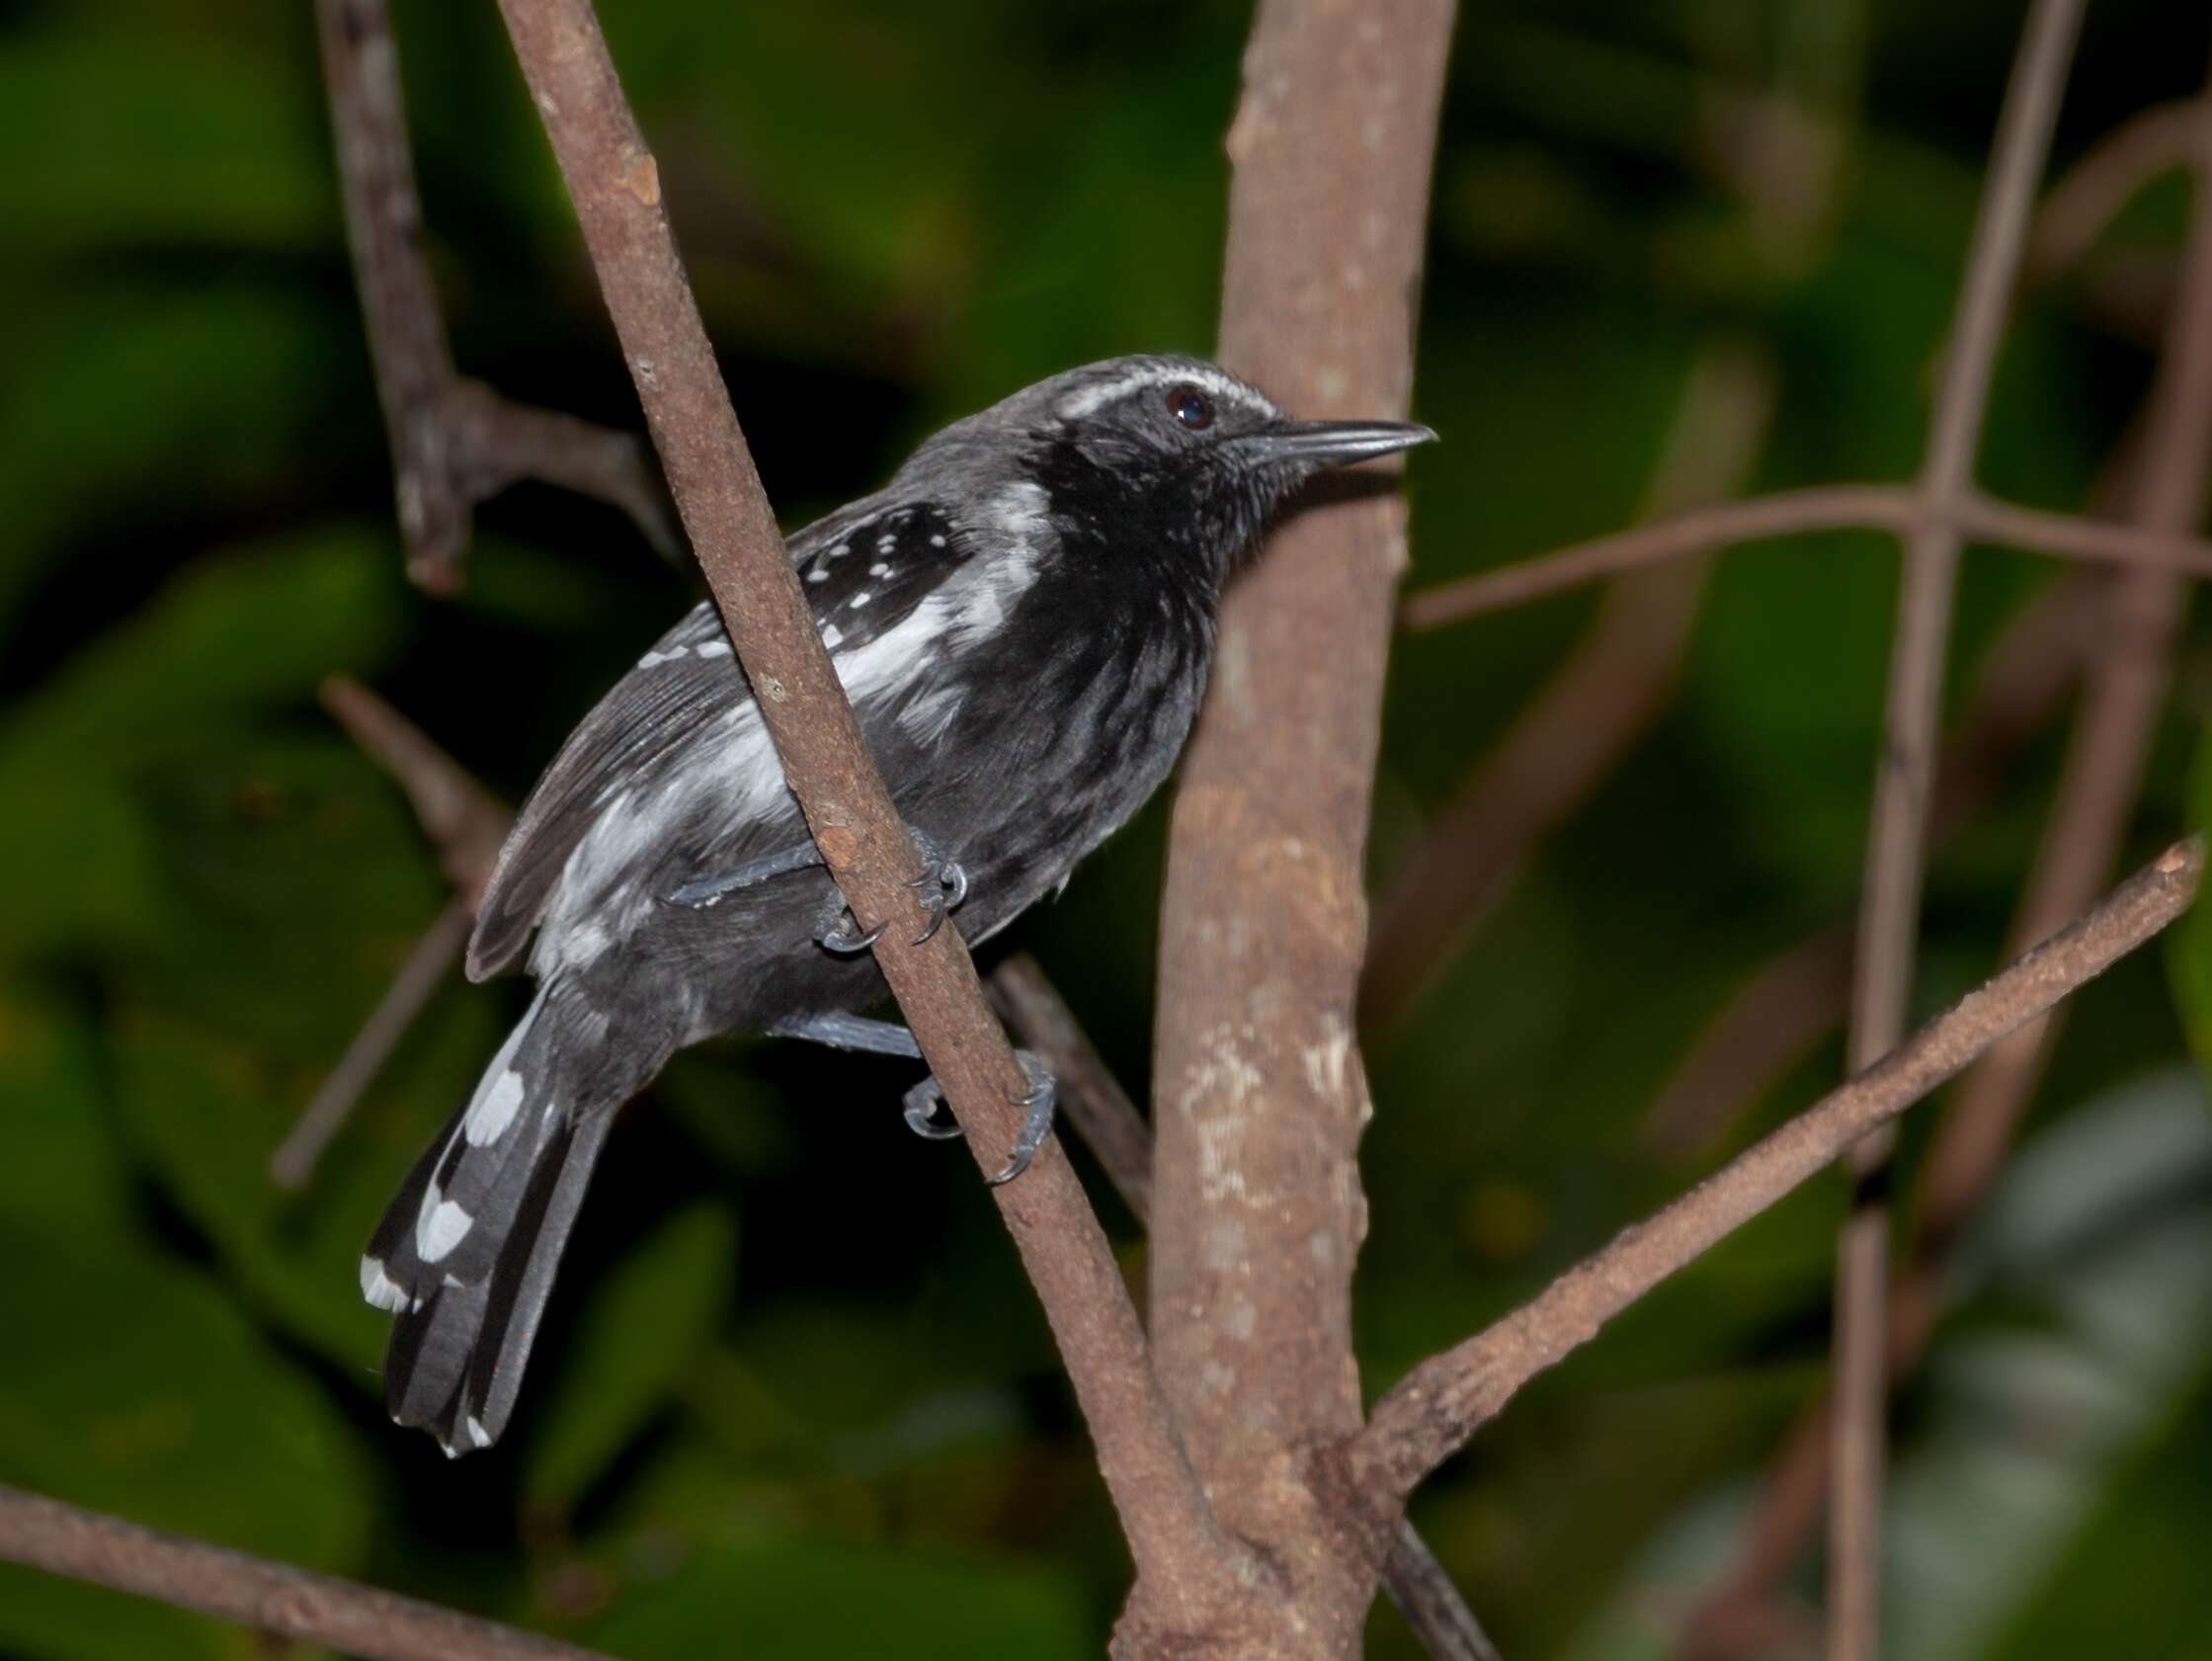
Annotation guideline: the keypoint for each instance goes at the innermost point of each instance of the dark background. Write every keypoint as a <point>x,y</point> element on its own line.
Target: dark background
<point>795,1398</point>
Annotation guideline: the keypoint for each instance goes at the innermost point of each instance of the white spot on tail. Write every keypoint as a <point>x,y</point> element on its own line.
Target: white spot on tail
<point>493,1111</point>
<point>440,1226</point>
<point>381,1289</point>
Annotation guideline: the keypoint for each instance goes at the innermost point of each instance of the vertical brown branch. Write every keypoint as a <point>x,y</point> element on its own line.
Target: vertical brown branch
<point>1109,1121</point>
<point>1185,1565</point>
<point>1904,784</point>
<point>1257,1204</point>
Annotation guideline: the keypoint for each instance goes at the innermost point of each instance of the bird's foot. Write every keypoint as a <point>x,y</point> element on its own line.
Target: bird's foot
<point>944,886</point>
<point>1038,1102</point>
<point>943,883</point>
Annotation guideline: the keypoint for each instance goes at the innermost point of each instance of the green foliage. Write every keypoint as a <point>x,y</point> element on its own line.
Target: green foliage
<point>895,212</point>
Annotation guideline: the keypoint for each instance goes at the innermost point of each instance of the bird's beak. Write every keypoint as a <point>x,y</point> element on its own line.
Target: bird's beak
<point>1329,443</point>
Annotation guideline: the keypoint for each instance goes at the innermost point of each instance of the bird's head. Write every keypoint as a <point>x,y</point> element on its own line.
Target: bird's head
<point>1173,452</point>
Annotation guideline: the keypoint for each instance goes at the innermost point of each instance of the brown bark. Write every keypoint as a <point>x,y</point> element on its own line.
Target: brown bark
<point>1185,1563</point>
<point>1904,788</point>
<point>274,1598</point>
<point>1258,1210</point>
<point>1430,1414</point>
<point>454,442</point>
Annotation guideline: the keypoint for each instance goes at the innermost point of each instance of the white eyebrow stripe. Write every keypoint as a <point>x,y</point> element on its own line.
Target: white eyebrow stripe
<point>1226,387</point>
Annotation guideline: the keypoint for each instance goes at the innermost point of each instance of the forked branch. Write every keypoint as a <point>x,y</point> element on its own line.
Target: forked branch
<point>1432,1412</point>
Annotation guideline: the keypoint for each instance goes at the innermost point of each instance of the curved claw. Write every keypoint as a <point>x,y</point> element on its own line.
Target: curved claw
<point>843,944</point>
<point>952,884</point>
<point>921,1103</point>
<point>1042,1099</point>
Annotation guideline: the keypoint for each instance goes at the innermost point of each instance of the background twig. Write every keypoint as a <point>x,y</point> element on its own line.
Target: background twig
<point>1430,1413</point>
<point>1904,788</point>
<point>1899,508</point>
<point>274,1598</point>
<point>454,442</point>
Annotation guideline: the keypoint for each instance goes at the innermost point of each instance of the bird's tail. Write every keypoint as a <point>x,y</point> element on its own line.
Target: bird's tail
<point>467,1254</point>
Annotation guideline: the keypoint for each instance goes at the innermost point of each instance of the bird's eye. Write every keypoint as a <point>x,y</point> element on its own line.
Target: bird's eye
<point>1190,407</point>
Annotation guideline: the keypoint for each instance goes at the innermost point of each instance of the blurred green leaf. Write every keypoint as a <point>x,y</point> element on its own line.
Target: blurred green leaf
<point>64,1174</point>
<point>231,638</point>
<point>132,1388</point>
<point>2083,1317</point>
<point>130,393</point>
<point>644,1322</point>
<point>119,142</point>
<point>206,1113</point>
<point>795,1601</point>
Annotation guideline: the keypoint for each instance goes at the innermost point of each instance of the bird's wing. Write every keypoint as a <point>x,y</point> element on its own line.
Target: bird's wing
<point>865,569</point>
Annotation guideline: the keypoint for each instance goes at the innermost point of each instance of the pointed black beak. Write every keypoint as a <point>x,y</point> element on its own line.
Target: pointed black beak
<point>1329,443</point>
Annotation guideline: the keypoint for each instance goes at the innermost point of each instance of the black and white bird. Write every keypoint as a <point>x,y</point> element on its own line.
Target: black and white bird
<point>1024,619</point>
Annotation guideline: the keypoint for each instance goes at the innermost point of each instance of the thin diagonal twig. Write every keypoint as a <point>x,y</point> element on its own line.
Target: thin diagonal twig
<point>2130,658</point>
<point>427,964</point>
<point>271,1597</point>
<point>1431,1412</point>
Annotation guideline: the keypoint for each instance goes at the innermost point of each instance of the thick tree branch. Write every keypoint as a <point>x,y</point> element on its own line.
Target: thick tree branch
<point>274,1598</point>
<point>1261,1094</point>
<point>454,442</point>
<point>1184,1561</point>
<point>1109,1121</point>
<point>1897,508</point>
<point>1432,1412</point>
<point>1904,788</point>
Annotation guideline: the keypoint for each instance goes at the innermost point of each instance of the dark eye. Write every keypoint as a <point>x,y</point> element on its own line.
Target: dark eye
<point>1192,407</point>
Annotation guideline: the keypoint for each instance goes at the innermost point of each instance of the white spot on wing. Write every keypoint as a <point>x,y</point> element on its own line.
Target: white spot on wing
<point>653,660</point>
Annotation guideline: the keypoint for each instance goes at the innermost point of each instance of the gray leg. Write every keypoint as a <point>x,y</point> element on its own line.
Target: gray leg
<point>853,1031</point>
<point>704,891</point>
<point>888,1038</point>
<point>942,881</point>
